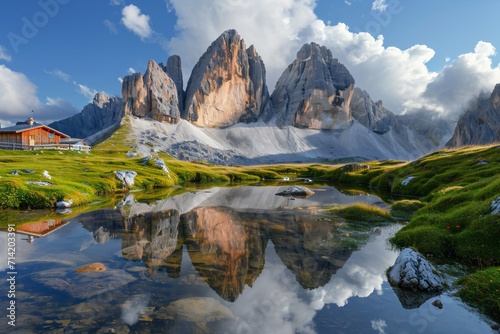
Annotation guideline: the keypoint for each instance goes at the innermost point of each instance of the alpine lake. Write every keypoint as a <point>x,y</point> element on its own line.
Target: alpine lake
<point>220,260</point>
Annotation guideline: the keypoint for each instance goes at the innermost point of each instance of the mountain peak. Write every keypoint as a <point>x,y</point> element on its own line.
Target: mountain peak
<point>227,85</point>
<point>315,91</point>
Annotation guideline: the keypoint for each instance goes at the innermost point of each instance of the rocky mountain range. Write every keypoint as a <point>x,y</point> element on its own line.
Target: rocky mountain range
<point>103,113</point>
<point>227,88</point>
<point>480,124</point>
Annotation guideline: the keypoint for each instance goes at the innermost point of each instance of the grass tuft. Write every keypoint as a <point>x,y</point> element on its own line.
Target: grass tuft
<point>362,212</point>
<point>405,209</point>
<point>482,290</point>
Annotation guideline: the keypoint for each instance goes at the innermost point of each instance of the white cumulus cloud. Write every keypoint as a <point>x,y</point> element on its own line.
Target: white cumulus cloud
<point>17,94</point>
<point>18,97</point>
<point>136,22</point>
<point>4,54</point>
<point>463,79</point>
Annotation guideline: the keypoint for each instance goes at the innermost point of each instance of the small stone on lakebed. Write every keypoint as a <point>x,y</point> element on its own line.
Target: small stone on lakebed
<point>90,268</point>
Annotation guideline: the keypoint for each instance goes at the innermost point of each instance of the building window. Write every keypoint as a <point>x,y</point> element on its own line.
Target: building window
<point>51,136</point>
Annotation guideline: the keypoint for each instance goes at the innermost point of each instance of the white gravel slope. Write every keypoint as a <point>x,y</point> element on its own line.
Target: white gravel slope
<point>260,143</point>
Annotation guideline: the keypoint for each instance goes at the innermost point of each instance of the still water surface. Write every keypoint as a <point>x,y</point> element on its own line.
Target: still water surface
<point>225,260</point>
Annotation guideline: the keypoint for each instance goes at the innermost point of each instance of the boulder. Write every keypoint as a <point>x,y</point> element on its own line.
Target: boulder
<point>412,271</point>
<point>227,85</point>
<point>64,204</point>
<point>126,176</point>
<point>315,91</point>
<point>296,191</point>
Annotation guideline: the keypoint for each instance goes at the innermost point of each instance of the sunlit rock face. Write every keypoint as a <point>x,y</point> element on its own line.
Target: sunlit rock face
<point>153,95</point>
<point>151,237</point>
<point>371,114</point>
<point>227,85</point>
<point>315,91</point>
<point>481,122</point>
<point>312,250</point>
<point>222,250</point>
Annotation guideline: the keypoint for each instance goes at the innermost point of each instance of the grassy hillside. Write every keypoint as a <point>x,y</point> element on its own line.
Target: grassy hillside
<point>453,191</point>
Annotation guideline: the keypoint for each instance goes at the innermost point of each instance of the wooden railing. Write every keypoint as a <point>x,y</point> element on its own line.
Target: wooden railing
<point>15,146</point>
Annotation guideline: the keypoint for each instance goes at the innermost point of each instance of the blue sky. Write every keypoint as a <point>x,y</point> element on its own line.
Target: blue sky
<point>55,54</point>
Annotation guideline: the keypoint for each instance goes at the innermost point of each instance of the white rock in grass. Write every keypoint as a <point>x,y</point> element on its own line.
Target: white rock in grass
<point>64,204</point>
<point>412,271</point>
<point>495,206</point>
<point>46,175</point>
<point>407,180</point>
<point>126,176</point>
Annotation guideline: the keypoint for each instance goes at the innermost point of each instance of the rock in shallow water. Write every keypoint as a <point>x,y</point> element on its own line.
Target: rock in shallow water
<point>198,310</point>
<point>93,267</point>
<point>297,191</point>
<point>83,285</point>
<point>412,271</point>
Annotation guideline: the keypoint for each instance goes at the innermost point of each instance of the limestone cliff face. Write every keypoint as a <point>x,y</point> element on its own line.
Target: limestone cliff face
<point>371,114</point>
<point>481,122</point>
<point>227,85</point>
<point>174,71</point>
<point>153,95</point>
<point>103,112</point>
<point>315,91</point>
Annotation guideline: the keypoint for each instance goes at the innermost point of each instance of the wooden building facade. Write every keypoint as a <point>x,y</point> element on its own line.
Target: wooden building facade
<point>26,135</point>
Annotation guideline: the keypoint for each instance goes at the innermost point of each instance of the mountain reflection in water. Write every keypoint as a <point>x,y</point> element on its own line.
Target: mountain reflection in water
<point>225,260</point>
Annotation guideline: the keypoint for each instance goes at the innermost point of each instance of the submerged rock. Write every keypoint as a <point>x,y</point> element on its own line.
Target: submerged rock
<point>83,286</point>
<point>197,311</point>
<point>93,267</point>
<point>296,191</point>
<point>412,271</point>
<point>437,303</point>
